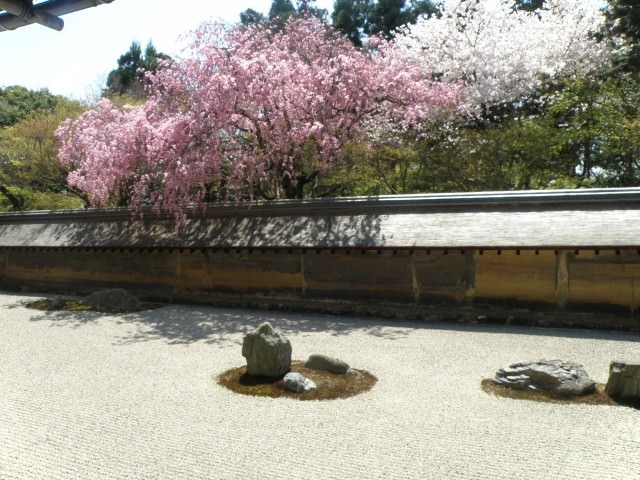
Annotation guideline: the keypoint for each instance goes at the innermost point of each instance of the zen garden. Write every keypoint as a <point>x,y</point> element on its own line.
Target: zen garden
<point>392,239</point>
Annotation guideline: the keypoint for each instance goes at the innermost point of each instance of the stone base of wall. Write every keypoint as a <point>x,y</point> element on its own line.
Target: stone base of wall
<point>438,313</point>
<point>576,289</point>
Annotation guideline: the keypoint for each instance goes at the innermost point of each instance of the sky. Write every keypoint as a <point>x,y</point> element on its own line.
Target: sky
<point>75,62</point>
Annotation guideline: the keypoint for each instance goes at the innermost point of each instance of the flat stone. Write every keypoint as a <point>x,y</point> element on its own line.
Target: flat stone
<point>268,352</point>
<point>558,376</point>
<point>624,380</point>
<point>318,361</point>
<point>296,382</point>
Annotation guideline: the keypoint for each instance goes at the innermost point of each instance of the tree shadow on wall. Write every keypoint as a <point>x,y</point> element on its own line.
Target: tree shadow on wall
<point>238,229</point>
<point>324,224</point>
<point>305,231</point>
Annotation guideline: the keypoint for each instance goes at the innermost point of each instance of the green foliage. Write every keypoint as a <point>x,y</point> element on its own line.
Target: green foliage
<point>30,199</point>
<point>128,78</point>
<point>386,16</point>
<point>251,17</point>
<point>585,134</point>
<point>349,17</point>
<point>356,18</point>
<point>528,5</point>
<point>572,133</point>
<point>281,11</point>
<point>17,103</point>
<point>599,121</point>
<point>31,178</point>
<point>353,175</point>
<point>623,19</point>
<point>520,154</point>
<point>408,167</point>
<point>307,7</point>
<point>579,133</point>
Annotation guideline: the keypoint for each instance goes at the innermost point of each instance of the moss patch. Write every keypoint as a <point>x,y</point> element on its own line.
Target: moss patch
<point>329,385</point>
<point>69,305</point>
<point>599,397</point>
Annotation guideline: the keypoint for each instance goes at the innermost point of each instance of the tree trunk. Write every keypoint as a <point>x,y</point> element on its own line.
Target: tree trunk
<point>16,203</point>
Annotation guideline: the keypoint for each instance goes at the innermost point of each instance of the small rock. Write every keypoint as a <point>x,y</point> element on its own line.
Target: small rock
<point>115,299</point>
<point>268,351</point>
<point>567,378</point>
<point>318,361</point>
<point>297,382</point>
<point>624,381</point>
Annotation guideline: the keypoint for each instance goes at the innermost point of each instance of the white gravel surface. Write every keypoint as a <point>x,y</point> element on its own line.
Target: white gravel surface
<point>94,396</point>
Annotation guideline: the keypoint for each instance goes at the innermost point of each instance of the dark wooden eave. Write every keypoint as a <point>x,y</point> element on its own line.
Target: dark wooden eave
<point>19,13</point>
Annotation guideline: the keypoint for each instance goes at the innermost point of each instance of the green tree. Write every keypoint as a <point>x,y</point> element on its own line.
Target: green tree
<point>307,7</point>
<point>603,120</point>
<point>584,134</point>
<point>281,11</point>
<point>386,16</point>
<point>349,17</point>
<point>30,175</point>
<point>356,18</point>
<point>251,17</point>
<point>128,79</point>
<point>623,20</point>
<point>17,102</point>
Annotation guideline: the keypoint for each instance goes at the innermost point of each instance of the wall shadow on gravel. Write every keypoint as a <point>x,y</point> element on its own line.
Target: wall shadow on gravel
<point>536,331</point>
<point>183,324</point>
<point>177,324</point>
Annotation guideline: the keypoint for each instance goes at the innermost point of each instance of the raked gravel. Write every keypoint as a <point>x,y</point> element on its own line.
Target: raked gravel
<point>95,396</point>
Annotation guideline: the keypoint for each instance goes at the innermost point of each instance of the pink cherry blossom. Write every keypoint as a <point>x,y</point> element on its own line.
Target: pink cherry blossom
<point>249,110</point>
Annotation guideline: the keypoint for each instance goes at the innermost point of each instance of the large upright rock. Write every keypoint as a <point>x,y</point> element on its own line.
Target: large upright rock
<point>566,378</point>
<point>268,352</point>
<point>624,381</point>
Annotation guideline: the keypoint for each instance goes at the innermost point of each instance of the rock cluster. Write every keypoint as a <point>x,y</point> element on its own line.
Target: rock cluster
<point>114,299</point>
<point>566,378</point>
<point>268,352</point>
